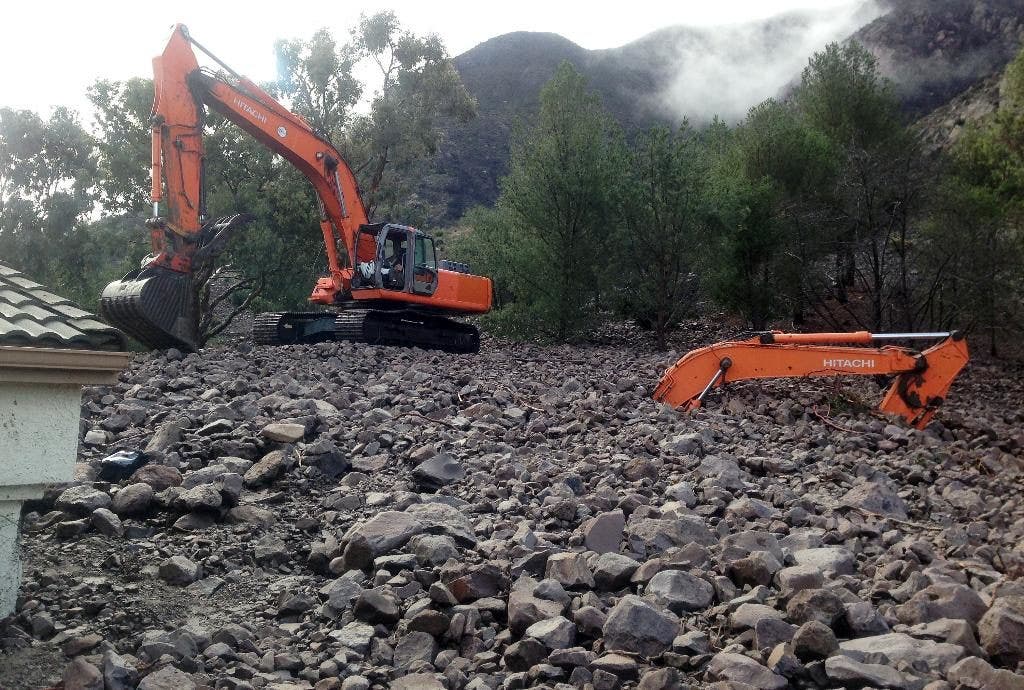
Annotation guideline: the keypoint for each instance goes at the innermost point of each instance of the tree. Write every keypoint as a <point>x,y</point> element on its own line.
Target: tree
<point>664,217</point>
<point>418,90</point>
<point>878,194</point>
<point>548,239</point>
<point>121,110</point>
<point>764,183</point>
<point>842,95</point>
<point>47,169</point>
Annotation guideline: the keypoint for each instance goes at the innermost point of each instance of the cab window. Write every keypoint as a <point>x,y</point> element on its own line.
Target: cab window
<point>425,252</point>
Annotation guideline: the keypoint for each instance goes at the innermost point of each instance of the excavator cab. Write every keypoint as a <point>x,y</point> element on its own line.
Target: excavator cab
<point>395,257</point>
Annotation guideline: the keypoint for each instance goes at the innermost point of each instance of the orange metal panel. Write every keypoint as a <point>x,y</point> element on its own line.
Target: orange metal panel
<point>455,291</point>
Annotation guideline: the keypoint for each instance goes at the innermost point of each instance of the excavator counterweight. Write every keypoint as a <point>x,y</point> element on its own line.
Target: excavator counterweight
<point>922,379</point>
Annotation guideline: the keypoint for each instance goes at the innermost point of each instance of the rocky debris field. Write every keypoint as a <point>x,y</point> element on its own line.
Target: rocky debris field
<point>341,516</point>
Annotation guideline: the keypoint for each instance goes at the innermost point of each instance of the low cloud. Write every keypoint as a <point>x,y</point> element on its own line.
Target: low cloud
<point>726,70</point>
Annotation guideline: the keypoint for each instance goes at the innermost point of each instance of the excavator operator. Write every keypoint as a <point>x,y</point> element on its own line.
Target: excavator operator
<point>396,266</point>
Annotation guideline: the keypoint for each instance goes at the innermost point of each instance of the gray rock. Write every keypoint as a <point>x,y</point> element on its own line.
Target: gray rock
<point>167,434</point>
<point>204,475</point>
<point>680,591</point>
<point>202,497</point>
<point>524,610</point>
<point>107,523</point>
<point>341,593</point>
<point>976,673</point>
<point>590,620</point>
<point>942,600</point>
<point>847,671</point>
<point>650,535</point>
<point>179,570</point>
<point>434,549</point>
<point>814,640</point>
<point>283,433</point>
<point>612,571</point>
<point>167,678</point>
<point>638,627</point>
<point>742,544</point>
<point>374,606</point>
<point>439,470</point>
<point>81,675</point>
<point>738,668</point>
<point>118,674</point>
<point>159,477</point>
<point>603,532</point>
<point>431,622</point>
<point>835,559</point>
<point>266,470</point>
<point>522,655</point>
<point>81,500</point>
<point>385,531</point>
<point>798,577</point>
<point>356,636</point>
<point>477,582</point>
<point>554,633</point>
<point>897,647</point>
<point>415,648</point>
<point>748,615</point>
<point>251,515</point>
<point>770,632</point>
<point>271,551</point>
<point>134,499</point>
<point>441,518</point>
<point>863,620</point>
<point>815,605</point>
<point>876,497</point>
<point>757,568</point>
<point>1001,630</point>
<point>569,569</point>
<point>418,681</point>
<point>952,630</point>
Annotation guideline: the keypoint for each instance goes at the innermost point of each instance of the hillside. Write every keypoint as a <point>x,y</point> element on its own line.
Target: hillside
<point>932,50</point>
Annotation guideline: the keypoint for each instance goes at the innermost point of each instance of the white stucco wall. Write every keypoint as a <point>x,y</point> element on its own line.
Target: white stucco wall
<point>38,446</point>
<point>10,562</point>
<point>38,436</point>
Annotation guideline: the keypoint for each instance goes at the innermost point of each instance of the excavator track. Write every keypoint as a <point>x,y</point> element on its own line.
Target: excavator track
<point>372,326</point>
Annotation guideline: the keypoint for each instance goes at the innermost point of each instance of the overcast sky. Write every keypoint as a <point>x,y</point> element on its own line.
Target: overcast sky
<point>51,50</point>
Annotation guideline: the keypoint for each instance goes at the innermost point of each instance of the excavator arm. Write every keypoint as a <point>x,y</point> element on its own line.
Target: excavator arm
<point>181,88</point>
<point>922,379</point>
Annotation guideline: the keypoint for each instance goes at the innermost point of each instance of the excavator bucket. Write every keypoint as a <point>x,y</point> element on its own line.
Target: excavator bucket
<point>154,306</point>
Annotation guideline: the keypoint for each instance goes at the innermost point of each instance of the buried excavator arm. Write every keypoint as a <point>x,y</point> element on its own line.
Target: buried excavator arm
<point>922,378</point>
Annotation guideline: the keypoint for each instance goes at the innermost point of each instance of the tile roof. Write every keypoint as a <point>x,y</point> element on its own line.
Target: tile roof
<point>32,316</point>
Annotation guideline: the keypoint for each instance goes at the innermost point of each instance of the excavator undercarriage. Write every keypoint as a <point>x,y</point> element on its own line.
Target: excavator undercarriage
<point>373,326</point>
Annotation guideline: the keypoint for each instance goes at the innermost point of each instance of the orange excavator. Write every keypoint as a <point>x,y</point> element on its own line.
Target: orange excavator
<point>385,284</point>
<point>922,379</point>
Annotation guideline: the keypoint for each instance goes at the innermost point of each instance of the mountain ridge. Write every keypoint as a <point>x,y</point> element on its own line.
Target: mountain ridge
<point>933,50</point>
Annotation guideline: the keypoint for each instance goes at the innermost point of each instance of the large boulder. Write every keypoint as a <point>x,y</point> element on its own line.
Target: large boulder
<point>1001,630</point>
<point>679,591</point>
<point>636,626</point>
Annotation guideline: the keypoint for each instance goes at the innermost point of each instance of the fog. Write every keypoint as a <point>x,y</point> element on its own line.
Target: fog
<point>726,70</point>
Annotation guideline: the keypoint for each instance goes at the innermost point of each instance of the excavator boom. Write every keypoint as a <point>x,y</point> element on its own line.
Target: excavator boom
<point>921,383</point>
